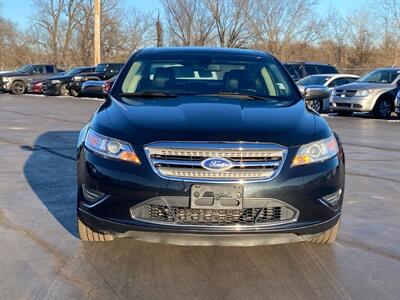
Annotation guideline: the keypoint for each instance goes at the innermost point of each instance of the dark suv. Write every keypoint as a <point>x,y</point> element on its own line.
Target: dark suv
<point>208,146</point>
<point>101,72</point>
<point>299,70</point>
<point>16,82</point>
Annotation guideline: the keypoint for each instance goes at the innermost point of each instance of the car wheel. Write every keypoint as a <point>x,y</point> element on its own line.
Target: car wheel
<point>84,231</point>
<point>345,113</point>
<point>74,93</point>
<point>315,105</point>
<point>64,90</point>
<point>18,87</point>
<point>383,109</point>
<point>326,237</point>
<point>89,235</point>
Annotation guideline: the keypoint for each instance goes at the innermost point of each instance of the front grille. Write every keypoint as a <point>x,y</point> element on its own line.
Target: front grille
<point>346,93</point>
<point>275,212</point>
<point>184,161</point>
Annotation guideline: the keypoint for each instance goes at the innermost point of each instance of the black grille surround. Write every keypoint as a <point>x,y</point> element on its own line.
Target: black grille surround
<point>169,211</point>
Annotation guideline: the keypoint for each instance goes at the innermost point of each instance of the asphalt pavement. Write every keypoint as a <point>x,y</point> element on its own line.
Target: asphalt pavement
<point>42,258</point>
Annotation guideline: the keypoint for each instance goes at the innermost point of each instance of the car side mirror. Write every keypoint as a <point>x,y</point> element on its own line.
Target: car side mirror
<point>314,92</point>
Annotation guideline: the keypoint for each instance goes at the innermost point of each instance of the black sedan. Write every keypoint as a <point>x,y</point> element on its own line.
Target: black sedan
<point>58,85</point>
<point>208,146</point>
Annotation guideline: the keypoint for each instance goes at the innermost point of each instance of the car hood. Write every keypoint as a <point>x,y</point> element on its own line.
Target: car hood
<point>90,74</point>
<point>209,119</point>
<point>59,77</point>
<point>366,86</point>
<point>13,74</point>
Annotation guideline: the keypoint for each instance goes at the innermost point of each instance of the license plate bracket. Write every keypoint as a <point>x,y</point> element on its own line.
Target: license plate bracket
<point>209,196</point>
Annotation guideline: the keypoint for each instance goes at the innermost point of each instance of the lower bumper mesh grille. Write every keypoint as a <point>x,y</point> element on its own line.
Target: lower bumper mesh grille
<point>181,215</point>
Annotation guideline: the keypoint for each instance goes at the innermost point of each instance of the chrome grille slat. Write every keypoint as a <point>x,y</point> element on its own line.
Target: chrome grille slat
<point>183,160</point>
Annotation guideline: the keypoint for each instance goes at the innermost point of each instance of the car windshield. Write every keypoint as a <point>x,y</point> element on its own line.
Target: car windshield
<point>314,79</point>
<point>380,76</point>
<point>101,68</point>
<point>72,72</point>
<point>25,69</point>
<point>206,75</point>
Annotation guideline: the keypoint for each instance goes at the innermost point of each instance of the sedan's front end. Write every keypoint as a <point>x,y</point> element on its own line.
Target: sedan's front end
<point>208,168</point>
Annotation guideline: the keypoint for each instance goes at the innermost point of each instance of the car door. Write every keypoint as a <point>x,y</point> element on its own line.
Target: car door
<point>38,72</point>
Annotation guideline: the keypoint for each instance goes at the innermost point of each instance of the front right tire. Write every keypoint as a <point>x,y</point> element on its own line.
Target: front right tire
<point>89,235</point>
<point>326,237</point>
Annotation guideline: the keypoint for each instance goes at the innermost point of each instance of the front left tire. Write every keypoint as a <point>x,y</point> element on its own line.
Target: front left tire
<point>18,87</point>
<point>326,237</point>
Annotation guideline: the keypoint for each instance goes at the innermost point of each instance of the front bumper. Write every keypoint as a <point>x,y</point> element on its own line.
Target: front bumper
<point>128,186</point>
<point>51,89</point>
<point>5,86</point>
<point>354,104</point>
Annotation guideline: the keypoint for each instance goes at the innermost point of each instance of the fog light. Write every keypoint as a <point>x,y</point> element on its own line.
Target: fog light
<point>91,195</point>
<point>333,199</point>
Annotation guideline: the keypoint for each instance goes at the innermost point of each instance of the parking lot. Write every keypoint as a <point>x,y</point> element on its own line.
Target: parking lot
<point>42,258</point>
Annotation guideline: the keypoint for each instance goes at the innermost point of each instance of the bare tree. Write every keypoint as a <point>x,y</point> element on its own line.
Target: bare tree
<point>189,22</point>
<point>335,35</point>
<point>230,21</point>
<point>277,24</point>
<point>361,37</point>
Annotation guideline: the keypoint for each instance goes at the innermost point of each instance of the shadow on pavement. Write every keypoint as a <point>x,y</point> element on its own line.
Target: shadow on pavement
<point>51,173</point>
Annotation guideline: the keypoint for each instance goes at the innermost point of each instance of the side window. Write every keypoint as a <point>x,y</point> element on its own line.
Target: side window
<point>38,69</point>
<point>49,69</point>
<point>338,81</point>
<point>351,79</point>
<point>311,69</point>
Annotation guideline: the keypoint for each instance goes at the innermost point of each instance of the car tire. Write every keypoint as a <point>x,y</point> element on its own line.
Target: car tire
<point>64,90</point>
<point>383,108</point>
<point>89,235</point>
<point>345,113</point>
<point>74,93</point>
<point>18,87</point>
<point>326,237</point>
<point>315,105</point>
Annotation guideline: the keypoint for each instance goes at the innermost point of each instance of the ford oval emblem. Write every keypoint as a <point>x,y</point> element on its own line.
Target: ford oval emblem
<point>216,164</point>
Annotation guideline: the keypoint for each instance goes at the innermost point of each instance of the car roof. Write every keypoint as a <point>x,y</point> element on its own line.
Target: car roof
<point>335,75</point>
<point>202,50</point>
<point>386,69</point>
<point>307,63</point>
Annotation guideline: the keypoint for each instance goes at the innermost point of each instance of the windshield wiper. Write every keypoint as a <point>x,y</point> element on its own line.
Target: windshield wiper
<point>149,95</point>
<point>240,95</point>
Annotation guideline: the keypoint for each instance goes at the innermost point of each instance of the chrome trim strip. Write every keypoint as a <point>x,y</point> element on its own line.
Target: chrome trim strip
<point>198,163</point>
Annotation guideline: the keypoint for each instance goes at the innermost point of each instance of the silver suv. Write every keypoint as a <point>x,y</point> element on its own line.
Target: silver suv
<point>374,92</point>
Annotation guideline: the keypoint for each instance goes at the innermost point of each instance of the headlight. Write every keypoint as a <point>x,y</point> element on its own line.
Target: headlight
<point>77,78</point>
<point>333,92</point>
<point>5,80</point>
<point>110,148</point>
<point>361,93</point>
<point>55,81</point>
<point>316,152</point>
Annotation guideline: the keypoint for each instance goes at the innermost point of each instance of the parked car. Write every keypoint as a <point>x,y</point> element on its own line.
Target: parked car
<point>59,85</point>
<point>208,146</point>
<point>397,104</point>
<point>299,70</point>
<point>97,88</point>
<point>328,80</point>
<point>34,87</point>
<point>101,72</point>
<point>374,92</point>
<point>16,82</point>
